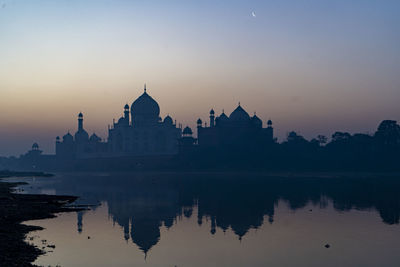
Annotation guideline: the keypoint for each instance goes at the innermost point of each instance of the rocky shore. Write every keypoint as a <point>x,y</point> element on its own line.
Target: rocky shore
<point>17,208</point>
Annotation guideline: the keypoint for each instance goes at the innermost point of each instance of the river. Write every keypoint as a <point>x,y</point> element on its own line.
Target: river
<point>220,219</point>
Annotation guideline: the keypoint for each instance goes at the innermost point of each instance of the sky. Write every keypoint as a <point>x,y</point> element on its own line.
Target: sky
<point>311,66</point>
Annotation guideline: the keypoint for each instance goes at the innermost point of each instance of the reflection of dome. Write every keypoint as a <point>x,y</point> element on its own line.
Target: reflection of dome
<point>187,131</point>
<point>168,120</point>
<point>256,121</point>
<point>239,115</point>
<point>145,233</point>
<point>145,110</point>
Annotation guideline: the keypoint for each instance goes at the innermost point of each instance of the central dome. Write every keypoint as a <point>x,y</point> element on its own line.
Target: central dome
<point>239,115</point>
<point>145,110</point>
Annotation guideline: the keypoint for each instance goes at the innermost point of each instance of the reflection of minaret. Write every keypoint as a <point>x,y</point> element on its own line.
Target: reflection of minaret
<point>79,221</point>
<point>213,225</point>
<point>169,222</point>
<point>271,219</point>
<point>187,211</point>
<point>126,231</point>
<point>120,216</point>
<point>199,214</point>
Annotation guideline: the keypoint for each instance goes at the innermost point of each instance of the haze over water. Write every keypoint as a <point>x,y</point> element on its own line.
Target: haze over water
<point>311,66</point>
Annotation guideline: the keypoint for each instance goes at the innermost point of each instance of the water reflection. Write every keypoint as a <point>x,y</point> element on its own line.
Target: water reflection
<point>142,203</point>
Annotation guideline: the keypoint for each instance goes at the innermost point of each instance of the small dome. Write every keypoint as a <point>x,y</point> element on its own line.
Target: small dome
<point>212,112</point>
<point>67,136</point>
<point>187,131</point>
<point>269,123</point>
<point>57,138</point>
<point>121,119</point>
<point>94,138</point>
<point>223,117</point>
<point>80,115</point>
<point>256,121</point>
<point>199,121</point>
<point>239,115</point>
<point>35,146</point>
<point>168,120</point>
<point>126,106</point>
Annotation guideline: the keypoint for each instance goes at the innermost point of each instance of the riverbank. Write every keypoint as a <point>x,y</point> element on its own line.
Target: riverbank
<point>17,208</point>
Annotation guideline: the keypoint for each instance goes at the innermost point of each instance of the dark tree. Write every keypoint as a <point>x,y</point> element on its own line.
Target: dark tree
<point>388,133</point>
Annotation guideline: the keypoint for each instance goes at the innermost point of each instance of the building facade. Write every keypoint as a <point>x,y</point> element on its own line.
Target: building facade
<point>237,129</point>
<point>139,132</point>
<point>144,132</point>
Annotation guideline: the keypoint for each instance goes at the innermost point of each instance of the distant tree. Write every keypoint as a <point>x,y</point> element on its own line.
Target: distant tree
<point>361,144</point>
<point>361,138</point>
<point>293,137</point>
<point>388,133</point>
<point>322,139</point>
<point>340,136</point>
<point>315,142</point>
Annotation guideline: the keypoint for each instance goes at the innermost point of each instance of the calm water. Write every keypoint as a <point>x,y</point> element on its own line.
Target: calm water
<point>221,220</point>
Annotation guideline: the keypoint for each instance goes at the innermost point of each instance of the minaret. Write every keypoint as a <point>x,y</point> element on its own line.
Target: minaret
<point>212,118</point>
<point>270,131</point>
<point>199,130</point>
<point>80,121</point>
<point>58,142</point>
<point>126,113</point>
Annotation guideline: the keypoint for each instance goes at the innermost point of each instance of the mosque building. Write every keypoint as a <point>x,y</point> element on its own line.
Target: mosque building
<point>139,132</point>
<point>239,128</point>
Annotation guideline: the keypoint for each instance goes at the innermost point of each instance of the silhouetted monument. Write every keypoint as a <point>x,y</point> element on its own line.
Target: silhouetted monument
<point>238,128</point>
<point>141,140</point>
<point>140,133</point>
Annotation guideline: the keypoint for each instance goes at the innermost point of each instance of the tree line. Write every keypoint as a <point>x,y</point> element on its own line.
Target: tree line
<point>344,151</point>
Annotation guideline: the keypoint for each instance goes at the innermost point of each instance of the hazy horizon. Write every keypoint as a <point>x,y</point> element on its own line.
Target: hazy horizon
<point>315,67</point>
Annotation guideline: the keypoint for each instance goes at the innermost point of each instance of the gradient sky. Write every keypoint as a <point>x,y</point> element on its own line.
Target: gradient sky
<point>312,66</point>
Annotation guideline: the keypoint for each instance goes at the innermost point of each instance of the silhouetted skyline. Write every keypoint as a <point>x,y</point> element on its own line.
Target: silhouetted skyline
<point>314,67</point>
